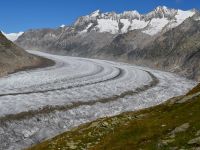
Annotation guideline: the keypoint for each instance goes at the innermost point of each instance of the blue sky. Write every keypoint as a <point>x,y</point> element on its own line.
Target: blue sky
<point>20,15</point>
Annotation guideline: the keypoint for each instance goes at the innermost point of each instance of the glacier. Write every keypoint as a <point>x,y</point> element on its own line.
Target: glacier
<point>41,103</point>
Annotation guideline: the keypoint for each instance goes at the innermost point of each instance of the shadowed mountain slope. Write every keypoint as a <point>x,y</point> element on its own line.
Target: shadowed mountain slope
<point>14,58</point>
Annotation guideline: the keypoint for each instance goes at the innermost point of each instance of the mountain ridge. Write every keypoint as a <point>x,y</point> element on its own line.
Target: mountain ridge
<point>131,20</point>
<point>158,12</point>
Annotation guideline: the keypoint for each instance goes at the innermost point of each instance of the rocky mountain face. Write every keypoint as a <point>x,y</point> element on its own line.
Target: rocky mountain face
<point>177,50</point>
<point>163,38</point>
<point>14,58</point>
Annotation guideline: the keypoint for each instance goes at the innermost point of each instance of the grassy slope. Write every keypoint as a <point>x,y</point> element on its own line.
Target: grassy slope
<point>146,129</point>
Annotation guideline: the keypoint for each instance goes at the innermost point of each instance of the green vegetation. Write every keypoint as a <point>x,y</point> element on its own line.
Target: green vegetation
<point>172,125</point>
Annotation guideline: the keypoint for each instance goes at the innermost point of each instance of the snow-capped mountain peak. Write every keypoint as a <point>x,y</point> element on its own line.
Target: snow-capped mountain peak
<point>95,13</point>
<point>12,36</point>
<point>130,14</point>
<point>160,19</point>
<point>161,12</point>
<point>162,8</point>
<point>62,26</point>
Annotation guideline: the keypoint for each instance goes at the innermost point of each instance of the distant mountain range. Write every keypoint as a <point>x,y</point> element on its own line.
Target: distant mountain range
<point>160,19</point>
<point>164,38</point>
<point>152,23</point>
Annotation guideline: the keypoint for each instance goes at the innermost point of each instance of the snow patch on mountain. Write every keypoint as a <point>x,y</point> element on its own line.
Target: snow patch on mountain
<point>86,29</point>
<point>138,24</point>
<point>108,25</point>
<point>126,24</point>
<point>156,25</point>
<point>181,16</point>
<point>132,25</point>
<point>197,19</point>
